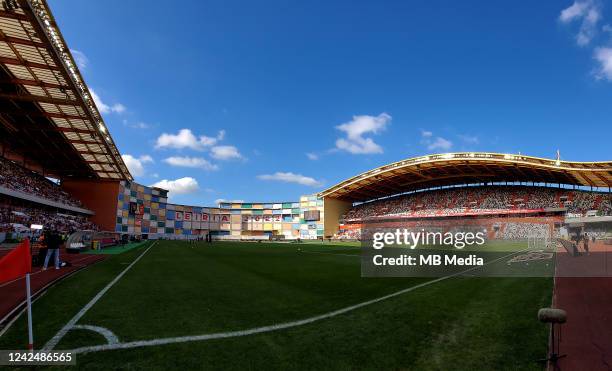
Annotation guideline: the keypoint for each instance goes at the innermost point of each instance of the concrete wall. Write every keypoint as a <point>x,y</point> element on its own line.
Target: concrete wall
<point>333,209</point>
<point>98,196</point>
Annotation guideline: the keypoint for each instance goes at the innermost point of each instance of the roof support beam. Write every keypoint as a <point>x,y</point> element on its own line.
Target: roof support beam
<point>363,192</point>
<point>17,62</point>
<point>464,168</point>
<point>417,173</point>
<point>13,15</point>
<point>43,23</point>
<point>381,184</point>
<point>99,162</point>
<point>477,175</point>
<point>77,141</point>
<point>45,114</point>
<point>40,98</point>
<point>33,83</point>
<point>598,174</point>
<point>56,128</point>
<point>16,40</point>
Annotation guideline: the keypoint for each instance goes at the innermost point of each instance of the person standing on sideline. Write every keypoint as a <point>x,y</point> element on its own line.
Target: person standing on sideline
<point>53,241</point>
<point>586,243</point>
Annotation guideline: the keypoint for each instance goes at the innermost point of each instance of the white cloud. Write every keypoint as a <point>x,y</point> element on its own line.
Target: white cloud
<point>186,139</point>
<point>179,186</point>
<point>312,156</point>
<point>434,144</point>
<point>576,10</point>
<point>136,164</point>
<point>80,58</point>
<point>140,125</point>
<point>469,139</point>
<point>355,142</point>
<point>604,57</point>
<point>290,177</point>
<point>103,107</point>
<point>440,143</point>
<point>589,12</point>
<point>225,153</point>
<point>118,108</point>
<point>192,162</point>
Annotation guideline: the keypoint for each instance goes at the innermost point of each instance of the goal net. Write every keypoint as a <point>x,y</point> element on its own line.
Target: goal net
<point>538,242</point>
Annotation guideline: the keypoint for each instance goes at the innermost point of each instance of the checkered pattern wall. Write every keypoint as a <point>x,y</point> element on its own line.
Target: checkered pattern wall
<point>145,210</point>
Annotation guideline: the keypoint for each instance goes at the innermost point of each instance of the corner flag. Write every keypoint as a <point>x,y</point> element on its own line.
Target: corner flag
<point>16,264</point>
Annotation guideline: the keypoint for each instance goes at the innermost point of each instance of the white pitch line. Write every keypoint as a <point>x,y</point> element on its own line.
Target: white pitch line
<point>60,334</point>
<point>281,326</point>
<point>42,291</point>
<point>10,323</point>
<point>110,337</point>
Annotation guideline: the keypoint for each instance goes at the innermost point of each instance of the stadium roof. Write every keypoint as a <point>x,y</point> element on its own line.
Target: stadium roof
<point>47,113</point>
<point>467,168</point>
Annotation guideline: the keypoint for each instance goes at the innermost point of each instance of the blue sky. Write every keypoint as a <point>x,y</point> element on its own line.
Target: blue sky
<point>268,100</point>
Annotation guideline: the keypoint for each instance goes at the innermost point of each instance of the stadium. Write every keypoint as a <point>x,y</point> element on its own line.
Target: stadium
<point>276,284</point>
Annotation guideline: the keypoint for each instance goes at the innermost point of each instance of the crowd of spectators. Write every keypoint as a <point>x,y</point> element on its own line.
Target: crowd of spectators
<point>520,231</point>
<point>485,200</point>
<point>502,230</point>
<point>18,178</point>
<point>19,219</point>
<point>348,234</point>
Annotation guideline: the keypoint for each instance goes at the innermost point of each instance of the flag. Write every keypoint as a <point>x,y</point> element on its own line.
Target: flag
<point>16,263</point>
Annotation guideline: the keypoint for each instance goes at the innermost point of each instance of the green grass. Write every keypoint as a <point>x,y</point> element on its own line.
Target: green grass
<point>119,249</point>
<point>181,289</point>
<point>52,310</point>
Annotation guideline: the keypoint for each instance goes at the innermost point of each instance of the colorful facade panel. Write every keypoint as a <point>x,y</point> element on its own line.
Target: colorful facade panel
<point>145,210</point>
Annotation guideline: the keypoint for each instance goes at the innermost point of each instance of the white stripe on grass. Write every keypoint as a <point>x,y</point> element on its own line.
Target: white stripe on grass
<point>60,334</point>
<point>281,326</point>
<point>110,337</point>
<point>21,307</point>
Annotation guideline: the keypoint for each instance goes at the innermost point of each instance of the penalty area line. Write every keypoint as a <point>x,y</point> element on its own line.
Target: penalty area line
<point>60,334</point>
<point>271,328</point>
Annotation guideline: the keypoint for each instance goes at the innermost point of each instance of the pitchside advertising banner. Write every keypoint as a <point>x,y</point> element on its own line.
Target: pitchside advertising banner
<point>538,248</point>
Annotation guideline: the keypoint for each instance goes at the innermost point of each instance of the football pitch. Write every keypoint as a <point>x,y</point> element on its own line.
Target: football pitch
<point>231,305</point>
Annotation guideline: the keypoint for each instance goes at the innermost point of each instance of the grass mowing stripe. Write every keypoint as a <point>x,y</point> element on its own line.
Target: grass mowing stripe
<point>206,290</point>
<point>55,339</point>
<point>281,326</point>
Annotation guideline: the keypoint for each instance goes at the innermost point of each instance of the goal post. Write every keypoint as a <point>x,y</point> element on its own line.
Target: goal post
<point>538,242</point>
